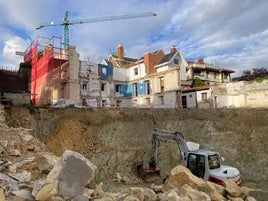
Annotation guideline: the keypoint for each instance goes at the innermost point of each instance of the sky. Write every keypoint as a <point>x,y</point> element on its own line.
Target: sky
<point>232,34</point>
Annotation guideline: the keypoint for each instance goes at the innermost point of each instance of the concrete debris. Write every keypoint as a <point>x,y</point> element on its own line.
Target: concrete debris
<point>62,103</point>
<point>23,193</point>
<point>46,161</point>
<point>7,179</point>
<point>22,177</point>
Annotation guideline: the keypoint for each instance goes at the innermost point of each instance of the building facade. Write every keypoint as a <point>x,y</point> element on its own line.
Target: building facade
<point>156,80</point>
<point>159,80</point>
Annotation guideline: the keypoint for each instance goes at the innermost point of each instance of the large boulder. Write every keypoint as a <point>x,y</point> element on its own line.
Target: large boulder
<point>210,189</point>
<point>179,176</point>
<point>68,177</point>
<point>193,194</point>
<point>235,191</point>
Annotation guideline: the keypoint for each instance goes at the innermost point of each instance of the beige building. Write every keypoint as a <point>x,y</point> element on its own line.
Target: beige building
<point>209,73</point>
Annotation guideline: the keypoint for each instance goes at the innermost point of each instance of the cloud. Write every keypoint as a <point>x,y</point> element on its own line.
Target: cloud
<point>12,45</point>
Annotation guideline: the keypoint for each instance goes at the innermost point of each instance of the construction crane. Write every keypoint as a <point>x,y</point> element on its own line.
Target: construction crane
<point>66,22</point>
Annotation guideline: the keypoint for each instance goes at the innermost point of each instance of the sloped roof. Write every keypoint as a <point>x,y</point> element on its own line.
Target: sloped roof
<point>127,59</point>
<point>167,58</point>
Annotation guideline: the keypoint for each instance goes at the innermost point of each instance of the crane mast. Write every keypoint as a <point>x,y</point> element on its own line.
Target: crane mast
<point>66,22</point>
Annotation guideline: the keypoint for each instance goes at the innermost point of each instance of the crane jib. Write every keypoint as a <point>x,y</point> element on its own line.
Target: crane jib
<point>66,22</point>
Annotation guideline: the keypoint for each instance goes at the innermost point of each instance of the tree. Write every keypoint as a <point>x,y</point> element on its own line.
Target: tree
<point>254,74</point>
<point>198,82</point>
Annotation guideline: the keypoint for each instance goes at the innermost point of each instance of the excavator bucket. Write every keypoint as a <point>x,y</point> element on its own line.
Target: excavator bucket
<point>152,174</point>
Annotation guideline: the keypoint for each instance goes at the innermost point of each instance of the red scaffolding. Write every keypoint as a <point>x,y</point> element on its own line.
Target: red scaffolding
<point>47,61</point>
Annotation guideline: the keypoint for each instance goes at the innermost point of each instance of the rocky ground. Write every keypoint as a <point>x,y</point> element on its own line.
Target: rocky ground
<point>114,140</point>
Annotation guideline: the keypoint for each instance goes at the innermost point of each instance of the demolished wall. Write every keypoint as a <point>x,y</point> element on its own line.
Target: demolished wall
<point>242,94</point>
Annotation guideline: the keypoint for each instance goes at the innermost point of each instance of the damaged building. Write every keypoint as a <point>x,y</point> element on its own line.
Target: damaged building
<point>155,80</point>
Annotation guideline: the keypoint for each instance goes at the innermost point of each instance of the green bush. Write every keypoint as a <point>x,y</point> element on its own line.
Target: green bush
<point>198,82</point>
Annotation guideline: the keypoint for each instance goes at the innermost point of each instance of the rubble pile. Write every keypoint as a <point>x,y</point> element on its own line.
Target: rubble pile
<point>29,172</point>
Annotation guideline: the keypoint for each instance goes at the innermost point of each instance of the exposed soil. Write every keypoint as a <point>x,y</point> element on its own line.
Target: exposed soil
<point>114,139</point>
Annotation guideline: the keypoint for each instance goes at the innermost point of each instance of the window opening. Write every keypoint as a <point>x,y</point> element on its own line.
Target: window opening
<point>204,96</point>
<point>117,88</point>
<point>103,103</point>
<point>102,87</point>
<point>136,71</point>
<point>135,89</point>
<point>162,83</point>
<point>104,71</point>
<point>225,76</point>
<point>215,75</point>
<point>148,87</point>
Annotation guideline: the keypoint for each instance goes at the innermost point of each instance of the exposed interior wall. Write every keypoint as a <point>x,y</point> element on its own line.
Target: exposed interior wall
<point>172,80</point>
<point>243,94</point>
<point>137,72</point>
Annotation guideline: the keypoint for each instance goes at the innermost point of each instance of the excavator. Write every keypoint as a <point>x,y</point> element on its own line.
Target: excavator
<point>202,163</point>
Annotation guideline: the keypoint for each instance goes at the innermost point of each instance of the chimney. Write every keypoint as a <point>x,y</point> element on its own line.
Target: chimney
<point>173,49</point>
<point>120,52</point>
<point>201,61</point>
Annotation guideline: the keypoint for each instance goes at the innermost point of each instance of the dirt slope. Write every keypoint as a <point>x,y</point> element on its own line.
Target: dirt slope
<point>114,139</point>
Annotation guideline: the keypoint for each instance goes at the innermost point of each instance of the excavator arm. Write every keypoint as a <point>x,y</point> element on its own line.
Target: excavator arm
<point>171,136</point>
<point>152,173</point>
